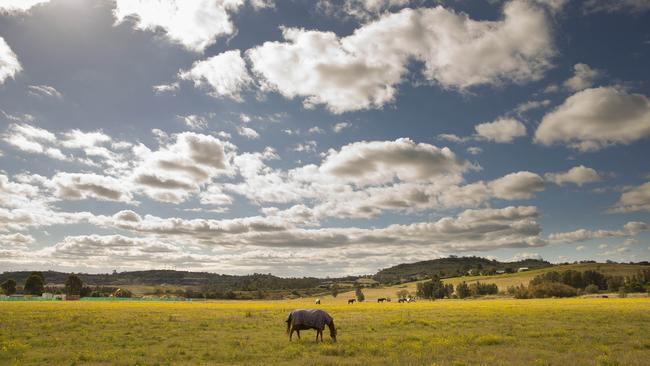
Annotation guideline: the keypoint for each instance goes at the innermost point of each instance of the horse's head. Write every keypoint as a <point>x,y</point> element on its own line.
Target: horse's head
<point>332,330</point>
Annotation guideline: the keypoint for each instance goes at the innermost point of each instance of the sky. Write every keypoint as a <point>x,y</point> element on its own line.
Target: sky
<point>321,138</point>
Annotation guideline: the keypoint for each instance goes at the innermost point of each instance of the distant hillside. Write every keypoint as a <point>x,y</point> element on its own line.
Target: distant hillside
<point>452,267</point>
<point>523,278</point>
<point>177,278</point>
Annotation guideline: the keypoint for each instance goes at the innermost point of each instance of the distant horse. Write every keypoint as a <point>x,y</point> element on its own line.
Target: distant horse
<point>351,301</point>
<point>317,301</point>
<point>381,299</point>
<point>401,300</point>
<point>310,319</point>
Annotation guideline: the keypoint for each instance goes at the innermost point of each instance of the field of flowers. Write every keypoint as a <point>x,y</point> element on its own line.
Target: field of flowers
<point>450,332</point>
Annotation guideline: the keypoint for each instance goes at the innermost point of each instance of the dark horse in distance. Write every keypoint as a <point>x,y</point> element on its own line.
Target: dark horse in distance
<point>310,319</point>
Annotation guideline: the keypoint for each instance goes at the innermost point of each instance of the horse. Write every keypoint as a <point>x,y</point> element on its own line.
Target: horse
<point>401,300</point>
<point>317,301</point>
<point>351,301</point>
<point>298,320</point>
<point>381,299</point>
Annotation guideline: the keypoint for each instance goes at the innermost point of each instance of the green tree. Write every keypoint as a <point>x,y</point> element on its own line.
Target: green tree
<point>73,285</point>
<point>9,287</point>
<point>462,290</point>
<point>34,284</point>
<point>335,290</point>
<point>360,296</point>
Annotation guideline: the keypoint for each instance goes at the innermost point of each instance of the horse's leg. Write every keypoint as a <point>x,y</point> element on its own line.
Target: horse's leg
<point>291,334</point>
<point>298,333</point>
<point>317,331</point>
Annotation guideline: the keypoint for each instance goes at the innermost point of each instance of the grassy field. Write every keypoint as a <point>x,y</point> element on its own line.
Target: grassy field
<point>450,332</point>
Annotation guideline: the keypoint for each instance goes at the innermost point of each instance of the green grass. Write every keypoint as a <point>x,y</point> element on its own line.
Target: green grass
<point>450,332</point>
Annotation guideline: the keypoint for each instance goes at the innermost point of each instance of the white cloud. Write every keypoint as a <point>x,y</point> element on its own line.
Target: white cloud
<point>474,150</point>
<point>166,88</point>
<point>634,199</point>
<point>523,256</point>
<point>583,78</point>
<point>44,91</point>
<point>17,6</point>
<point>532,104</point>
<point>613,6</point>
<point>195,24</point>
<point>248,133</point>
<point>592,119</point>
<point>79,186</point>
<point>9,65</point>
<point>179,168</point>
<point>361,71</point>
<point>378,162</point>
<point>33,140</point>
<point>502,130</point>
<point>195,122</point>
<point>341,126</point>
<point>307,147</point>
<point>581,247</point>
<point>577,175</point>
<point>360,9</point>
<point>629,229</point>
<point>13,240</point>
<point>517,186</point>
<point>316,129</point>
<point>225,75</point>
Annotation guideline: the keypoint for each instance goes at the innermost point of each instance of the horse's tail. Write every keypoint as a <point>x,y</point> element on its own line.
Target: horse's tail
<point>288,323</point>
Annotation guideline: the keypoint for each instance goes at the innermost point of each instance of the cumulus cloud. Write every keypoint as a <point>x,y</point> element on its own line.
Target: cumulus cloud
<point>531,105</point>
<point>359,9</point>
<point>78,186</point>
<point>592,119</point>
<point>634,199</point>
<point>18,6</point>
<point>224,75</point>
<point>194,24</point>
<point>33,140</point>
<point>179,168</point>
<point>248,133</point>
<point>629,229</point>
<point>341,126</point>
<point>577,175</point>
<point>517,186</point>
<point>523,256</point>
<point>377,162</point>
<point>13,240</point>
<point>362,71</point>
<point>503,130</point>
<point>194,122</point>
<point>9,65</point>
<point>583,78</point>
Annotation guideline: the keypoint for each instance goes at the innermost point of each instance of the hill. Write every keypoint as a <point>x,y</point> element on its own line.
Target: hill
<point>452,267</point>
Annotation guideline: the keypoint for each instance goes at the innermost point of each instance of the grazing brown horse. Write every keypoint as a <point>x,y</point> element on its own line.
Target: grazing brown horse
<point>310,319</point>
<point>381,299</point>
<point>351,301</point>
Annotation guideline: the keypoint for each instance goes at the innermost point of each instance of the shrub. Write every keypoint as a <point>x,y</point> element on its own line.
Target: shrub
<point>591,289</point>
<point>360,296</point>
<point>9,287</point>
<point>622,293</point>
<point>120,292</point>
<point>552,289</point>
<point>462,290</point>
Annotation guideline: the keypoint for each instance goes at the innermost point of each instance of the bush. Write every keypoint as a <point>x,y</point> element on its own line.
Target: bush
<point>591,289</point>
<point>462,290</point>
<point>622,293</point>
<point>360,296</point>
<point>9,287</point>
<point>120,292</point>
<point>552,289</point>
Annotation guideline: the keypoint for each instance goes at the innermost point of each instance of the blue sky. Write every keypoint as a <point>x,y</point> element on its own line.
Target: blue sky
<point>321,138</point>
